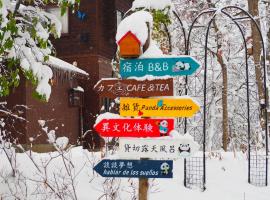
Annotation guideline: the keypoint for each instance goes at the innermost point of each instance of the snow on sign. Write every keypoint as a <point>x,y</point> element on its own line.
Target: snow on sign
<point>157,107</point>
<point>135,168</point>
<point>113,88</point>
<point>172,66</point>
<point>161,148</point>
<point>134,127</point>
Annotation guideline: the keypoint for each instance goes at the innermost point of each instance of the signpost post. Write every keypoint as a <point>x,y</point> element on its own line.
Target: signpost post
<point>135,168</point>
<point>158,107</point>
<point>113,88</point>
<point>134,127</point>
<point>172,66</point>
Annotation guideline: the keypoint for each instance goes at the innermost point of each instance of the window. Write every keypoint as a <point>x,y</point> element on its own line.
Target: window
<point>119,17</point>
<point>63,19</point>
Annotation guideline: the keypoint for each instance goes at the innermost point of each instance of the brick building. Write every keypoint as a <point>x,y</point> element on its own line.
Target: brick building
<point>61,114</point>
<point>89,39</point>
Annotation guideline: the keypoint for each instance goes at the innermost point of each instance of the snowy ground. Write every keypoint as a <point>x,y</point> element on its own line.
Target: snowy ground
<point>226,179</point>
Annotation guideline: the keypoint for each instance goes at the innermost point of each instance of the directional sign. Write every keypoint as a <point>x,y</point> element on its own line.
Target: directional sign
<point>162,148</point>
<point>135,168</point>
<point>158,107</point>
<point>172,66</point>
<point>113,88</point>
<point>134,127</point>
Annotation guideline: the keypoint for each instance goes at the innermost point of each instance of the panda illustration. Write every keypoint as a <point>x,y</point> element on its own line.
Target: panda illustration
<point>179,66</point>
<point>163,128</point>
<point>184,149</point>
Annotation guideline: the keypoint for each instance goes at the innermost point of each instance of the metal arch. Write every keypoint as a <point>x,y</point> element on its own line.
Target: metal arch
<point>264,83</point>
<point>246,58</point>
<point>204,94</point>
<point>187,52</point>
<point>192,26</point>
<point>247,83</point>
<point>183,29</point>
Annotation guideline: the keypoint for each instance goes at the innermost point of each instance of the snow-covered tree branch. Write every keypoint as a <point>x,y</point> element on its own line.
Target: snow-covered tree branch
<point>25,45</point>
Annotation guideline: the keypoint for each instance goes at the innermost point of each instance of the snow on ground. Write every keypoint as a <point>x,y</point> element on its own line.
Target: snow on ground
<point>226,178</point>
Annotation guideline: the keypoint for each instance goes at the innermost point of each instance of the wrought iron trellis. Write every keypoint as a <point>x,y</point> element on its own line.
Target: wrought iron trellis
<point>251,159</point>
<point>195,167</point>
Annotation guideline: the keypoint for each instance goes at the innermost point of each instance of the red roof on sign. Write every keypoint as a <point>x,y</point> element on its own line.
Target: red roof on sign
<point>129,33</point>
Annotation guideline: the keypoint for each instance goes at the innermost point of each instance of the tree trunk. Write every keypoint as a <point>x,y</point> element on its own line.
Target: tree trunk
<point>268,49</point>
<point>267,7</point>
<point>256,44</point>
<point>225,118</point>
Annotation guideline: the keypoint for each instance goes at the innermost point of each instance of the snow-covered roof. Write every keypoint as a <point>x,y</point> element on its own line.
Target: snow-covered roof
<point>56,62</point>
<point>136,23</point>
<point>151,4</point>
<point>153,51</point>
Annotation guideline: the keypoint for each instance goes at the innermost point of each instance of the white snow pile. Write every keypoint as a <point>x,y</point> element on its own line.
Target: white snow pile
<point>78,88</point>
<point>61,142</point>
<point>136,23</point>
<point>51,135</point>
<point>41,122</point>
<point>186,139</point>
<point>107,115</point>
<point>151,4</point>
<point>153,51</point>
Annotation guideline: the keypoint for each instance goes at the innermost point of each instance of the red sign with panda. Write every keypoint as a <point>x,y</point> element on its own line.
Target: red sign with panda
<point>134,127</point>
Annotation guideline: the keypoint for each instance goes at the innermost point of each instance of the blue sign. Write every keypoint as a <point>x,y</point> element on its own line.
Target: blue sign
<point>135,168</point>
<point>174,66</point>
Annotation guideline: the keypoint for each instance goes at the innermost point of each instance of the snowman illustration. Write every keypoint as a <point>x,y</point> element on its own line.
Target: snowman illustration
<point>163,128</point>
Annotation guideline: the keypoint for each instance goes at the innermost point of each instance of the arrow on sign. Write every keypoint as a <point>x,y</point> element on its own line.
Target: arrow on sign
<point>172,66</point>
<point>113,88</point>
<point>162,148</point>
<point>135,168</point>
<point>134,127</point>
<point>157,107</point>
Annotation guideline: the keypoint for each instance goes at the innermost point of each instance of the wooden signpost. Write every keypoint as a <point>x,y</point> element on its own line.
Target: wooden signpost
<point>172,66</point>
<point>135,168</point>
<point>132,132</point>
<point>158,107</point>
<point>160,148</point>
<point>113,88</point>
<point>134,127</point>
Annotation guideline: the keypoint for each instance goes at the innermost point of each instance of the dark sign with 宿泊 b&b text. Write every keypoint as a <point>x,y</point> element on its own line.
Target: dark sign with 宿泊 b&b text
<point>135,168</point>
<point>113,88</point>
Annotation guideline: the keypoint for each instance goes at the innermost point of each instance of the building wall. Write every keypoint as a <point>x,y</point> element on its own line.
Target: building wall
<point>82,37</point>
<point>57,114</point>
<point>16,102</point>
<point>95,55</point>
